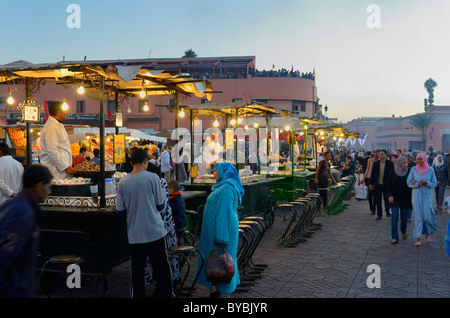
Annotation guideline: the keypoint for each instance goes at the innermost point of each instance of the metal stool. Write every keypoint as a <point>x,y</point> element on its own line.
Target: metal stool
<point>184,252</point>
<point>64,259</point>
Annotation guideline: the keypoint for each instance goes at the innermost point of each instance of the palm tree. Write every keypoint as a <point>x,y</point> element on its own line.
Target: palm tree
<point>421,122</point>
<point>429,85</point>
<point>189,53</point>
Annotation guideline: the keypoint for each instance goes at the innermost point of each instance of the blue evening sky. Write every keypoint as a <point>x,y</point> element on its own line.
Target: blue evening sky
<point>360,71</point>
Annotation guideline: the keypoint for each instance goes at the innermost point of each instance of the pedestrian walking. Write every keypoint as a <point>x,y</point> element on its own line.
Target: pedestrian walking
<point>11,172</point>
<point>166,167</point>
<point>379,182</point>
<point>19,233</point>
<point>323,173</point>
<point>422,180</point>
<point>141,198</point>
<point>440,170</point>
<point>399,198</point>
<point>220,224</point>
<point>366,179</point>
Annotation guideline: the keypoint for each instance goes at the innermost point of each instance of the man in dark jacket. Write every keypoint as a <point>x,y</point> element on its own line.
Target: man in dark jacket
<point>19,233</point>
<point>379,182</point>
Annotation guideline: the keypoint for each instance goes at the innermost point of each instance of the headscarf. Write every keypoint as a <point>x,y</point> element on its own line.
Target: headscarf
<point>398,166</point>
<point>422,169</point>
<point>228,174</point>
<point>436,163</point>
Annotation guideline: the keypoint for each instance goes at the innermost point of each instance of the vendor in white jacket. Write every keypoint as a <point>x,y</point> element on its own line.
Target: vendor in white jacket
<point>11,172</point>
<point>56,153</point>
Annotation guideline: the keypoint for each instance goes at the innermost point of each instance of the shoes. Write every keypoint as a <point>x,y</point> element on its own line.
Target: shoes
<point>394,241</point>
<point>378,218</point>
<point>404,236</point>
<point>428,237</point>
<point>417,243</point>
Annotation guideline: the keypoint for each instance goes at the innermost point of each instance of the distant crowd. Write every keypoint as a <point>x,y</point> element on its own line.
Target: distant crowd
<point>255,73</point>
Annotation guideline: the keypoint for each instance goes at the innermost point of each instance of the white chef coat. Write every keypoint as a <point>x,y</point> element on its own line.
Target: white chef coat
<point>11,172</point>
<point>56,153</point>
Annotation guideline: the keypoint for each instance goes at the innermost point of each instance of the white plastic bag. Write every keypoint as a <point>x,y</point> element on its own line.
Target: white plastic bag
<point>447,204</point>
<point>362,192</point>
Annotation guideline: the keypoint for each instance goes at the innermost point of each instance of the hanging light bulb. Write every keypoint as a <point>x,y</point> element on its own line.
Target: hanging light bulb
<point>10,98</point>
<point>233,122</point>
<point>80,90</point>
<point>146,108</point>
<point>287,128</point>
<point>182,113</point>
<point>246,127</point>
<point>239,120</point>
<point>142,93</point>
<point>255,124</point>
<point>216,123</point>
<point>64,105</point>
<point>128,109</point>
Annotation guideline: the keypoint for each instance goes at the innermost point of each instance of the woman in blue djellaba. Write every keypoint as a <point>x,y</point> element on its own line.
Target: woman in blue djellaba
<point>422,180</point>
<point>220,225</point>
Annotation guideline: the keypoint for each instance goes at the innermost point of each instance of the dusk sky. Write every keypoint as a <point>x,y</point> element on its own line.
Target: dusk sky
<point>360,71</point>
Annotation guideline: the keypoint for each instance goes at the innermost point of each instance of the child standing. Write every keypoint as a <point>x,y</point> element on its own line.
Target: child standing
<point>178,205</point>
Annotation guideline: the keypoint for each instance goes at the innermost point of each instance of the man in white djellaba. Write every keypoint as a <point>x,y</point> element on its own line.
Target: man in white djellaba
<point>56,152</point>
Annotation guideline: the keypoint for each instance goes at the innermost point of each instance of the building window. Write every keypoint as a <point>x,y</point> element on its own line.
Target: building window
<point>236,100</point>
<point>205,101</point>
<point>111,106</point>
<point>299,106</point>
<point>81,106</point>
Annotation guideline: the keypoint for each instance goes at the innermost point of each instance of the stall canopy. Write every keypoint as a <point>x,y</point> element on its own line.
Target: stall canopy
<point>242,109</point>
<point>126,77</point>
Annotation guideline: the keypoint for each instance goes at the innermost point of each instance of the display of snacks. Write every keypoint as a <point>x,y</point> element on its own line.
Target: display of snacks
<point>87,166</point>
<point>70,181</point>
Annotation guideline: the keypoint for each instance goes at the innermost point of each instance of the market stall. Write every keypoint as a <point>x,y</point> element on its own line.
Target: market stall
<point>82,220</point>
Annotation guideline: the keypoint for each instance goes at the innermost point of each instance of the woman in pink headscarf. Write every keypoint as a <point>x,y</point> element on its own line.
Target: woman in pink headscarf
<point>422,180</point>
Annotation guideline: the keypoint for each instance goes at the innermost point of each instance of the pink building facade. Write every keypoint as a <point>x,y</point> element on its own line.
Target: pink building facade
<point>392,133</point>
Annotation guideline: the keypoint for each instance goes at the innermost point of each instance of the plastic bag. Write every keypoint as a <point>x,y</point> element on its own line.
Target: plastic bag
<point>362,192</point>
<point>447,204</point>
<point>219,268</point>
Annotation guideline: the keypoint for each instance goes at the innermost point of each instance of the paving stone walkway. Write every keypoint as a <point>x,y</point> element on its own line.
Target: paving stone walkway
<point>333,263</point>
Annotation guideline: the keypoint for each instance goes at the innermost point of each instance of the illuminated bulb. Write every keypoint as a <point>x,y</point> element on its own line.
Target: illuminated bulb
<point>87,137</point>
<point>182,113</point>
<point>287,128</point>
<point>80,90</point>
<point>321,133</point>
<point>239,120</point>
<point>31,130</point>
<point>334,138</point>
<point>323,138</point>
<point>246,127</point>
<point>10,100</point>
<point>255,124</point>
<point>64,105</point>
<point>128,109</point>
<point>233,122</point>
<point>146,108</point>
<point>216,123</point>
<point>142,94</point>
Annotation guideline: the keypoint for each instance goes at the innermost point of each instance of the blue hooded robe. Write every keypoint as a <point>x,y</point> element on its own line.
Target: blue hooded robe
<point>220,222</point>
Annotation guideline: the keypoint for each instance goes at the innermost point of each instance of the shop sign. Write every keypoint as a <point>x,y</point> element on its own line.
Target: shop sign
<point>119,149</point>
<point>31,111</point>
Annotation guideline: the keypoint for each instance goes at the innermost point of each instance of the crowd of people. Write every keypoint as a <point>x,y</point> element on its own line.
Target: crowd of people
<point>254,73</point>
<point>397,184</point>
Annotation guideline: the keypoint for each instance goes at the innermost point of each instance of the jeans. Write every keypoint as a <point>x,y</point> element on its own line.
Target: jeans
<point>403,220</point>
<point>323,183</point>
<point>440,191</point>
